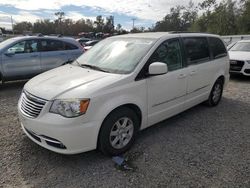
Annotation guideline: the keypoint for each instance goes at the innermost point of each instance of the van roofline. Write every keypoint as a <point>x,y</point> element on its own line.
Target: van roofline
<point>158,35</point>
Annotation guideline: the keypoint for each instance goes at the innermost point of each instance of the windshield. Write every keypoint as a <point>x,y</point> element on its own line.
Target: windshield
<point>117,55</point>
<point>6,42</point>
<point>241,46</point>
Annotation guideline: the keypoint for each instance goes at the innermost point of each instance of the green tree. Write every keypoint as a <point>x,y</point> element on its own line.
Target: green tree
<point>244,19</point>
<point>59,22</point>
<point>22,27</point>
<point>180,18</point>
<point>109,25</point>
<point>118,28</point>
<point>99,23</point>
<point>201,24</point>
<point>189,15</point>
<point>172,21</point>
<point>44,26</point>
<point>219,18</point>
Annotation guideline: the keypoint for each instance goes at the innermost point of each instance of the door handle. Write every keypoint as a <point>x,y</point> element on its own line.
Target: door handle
<point>181,76</point>
<point>193,73</point>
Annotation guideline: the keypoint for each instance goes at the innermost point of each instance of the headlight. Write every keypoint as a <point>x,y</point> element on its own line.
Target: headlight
<point>248,61</point>
<point>70,108</point>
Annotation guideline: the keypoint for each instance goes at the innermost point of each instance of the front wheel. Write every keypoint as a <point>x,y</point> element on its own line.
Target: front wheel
<point>118,131</point>
<point>216,93</point>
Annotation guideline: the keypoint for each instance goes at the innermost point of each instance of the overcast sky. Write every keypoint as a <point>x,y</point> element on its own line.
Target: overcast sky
<point>147,12</point>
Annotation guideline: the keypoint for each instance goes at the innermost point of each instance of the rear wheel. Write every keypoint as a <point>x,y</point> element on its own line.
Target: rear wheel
<point>118,131</point>
<point>216,93</point>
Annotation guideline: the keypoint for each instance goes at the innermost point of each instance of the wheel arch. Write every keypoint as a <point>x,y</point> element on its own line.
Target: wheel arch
<point>221,77</point>
<point>131,106</point>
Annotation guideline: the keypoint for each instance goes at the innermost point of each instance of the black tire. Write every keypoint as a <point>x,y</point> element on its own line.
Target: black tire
<point>109,124</point>
<point>212,100</point>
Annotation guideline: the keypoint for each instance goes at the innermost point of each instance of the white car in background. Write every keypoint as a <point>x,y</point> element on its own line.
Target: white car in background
<point>90,44</point>
<point>239,55</point>
<point>122,85</point>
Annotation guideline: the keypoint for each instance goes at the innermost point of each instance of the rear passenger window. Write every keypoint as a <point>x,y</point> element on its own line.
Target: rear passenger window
<point>51,45</point>
<point>197,49</point>
<point>69,46</point>
<point>217,47</point>
<point>168,52</point>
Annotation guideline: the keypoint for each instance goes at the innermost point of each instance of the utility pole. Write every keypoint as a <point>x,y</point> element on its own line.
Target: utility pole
<point>133,19</point>
<point>12,25</point>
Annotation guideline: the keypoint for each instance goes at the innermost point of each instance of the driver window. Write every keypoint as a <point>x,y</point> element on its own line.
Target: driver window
<point>27,46</point>
<point>169,52</point>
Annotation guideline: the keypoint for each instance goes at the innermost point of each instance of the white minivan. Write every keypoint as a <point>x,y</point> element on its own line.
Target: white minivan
<point>122,85</point>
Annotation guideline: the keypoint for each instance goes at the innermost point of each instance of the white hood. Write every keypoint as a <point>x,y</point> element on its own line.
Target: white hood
<point>238,55</point>
<point>55,82</point>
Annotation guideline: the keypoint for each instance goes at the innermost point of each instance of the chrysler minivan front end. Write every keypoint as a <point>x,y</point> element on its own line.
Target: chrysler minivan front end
<point>63,109</point>
<point>44,123</point>
<point>55,116</point>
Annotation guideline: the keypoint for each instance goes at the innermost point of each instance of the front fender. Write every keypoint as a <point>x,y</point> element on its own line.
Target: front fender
<point>134,94</point>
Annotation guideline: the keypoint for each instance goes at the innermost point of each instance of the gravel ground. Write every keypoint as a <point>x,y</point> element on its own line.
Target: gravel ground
<point>201,147</point>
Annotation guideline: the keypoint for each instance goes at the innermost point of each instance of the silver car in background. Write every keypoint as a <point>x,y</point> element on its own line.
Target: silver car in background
<point>26,56</point>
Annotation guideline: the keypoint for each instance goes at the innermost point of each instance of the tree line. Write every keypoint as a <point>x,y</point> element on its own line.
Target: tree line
<point>226,17</point>
<point>66,26</point>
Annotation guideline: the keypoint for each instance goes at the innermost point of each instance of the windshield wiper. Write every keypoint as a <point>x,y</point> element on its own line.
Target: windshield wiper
<point>92,67</point>
<point>79,64</point>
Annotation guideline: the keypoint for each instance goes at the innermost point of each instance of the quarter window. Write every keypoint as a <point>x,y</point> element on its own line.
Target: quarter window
<point>27,46</point>
<point>69,46</point>
<point>51,45</point>
<point>217,47</point>
<point>168,52</point>
<point>197,49</point>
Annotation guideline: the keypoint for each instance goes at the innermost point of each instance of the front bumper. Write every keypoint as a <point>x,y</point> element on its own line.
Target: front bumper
<point>245,70</point>
<point>59,134</point>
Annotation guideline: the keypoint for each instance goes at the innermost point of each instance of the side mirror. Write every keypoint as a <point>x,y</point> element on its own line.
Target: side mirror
<point>157,68</point>
<point>9,54</point>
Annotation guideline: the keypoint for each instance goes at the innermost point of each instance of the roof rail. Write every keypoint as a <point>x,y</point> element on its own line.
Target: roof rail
<point>176,32</point>
<point>60,35</point>
<point>39,35</point>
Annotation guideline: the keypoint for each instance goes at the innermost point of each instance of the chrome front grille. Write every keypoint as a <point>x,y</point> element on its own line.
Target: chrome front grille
<point>236,65</point>
<point>31,105</point>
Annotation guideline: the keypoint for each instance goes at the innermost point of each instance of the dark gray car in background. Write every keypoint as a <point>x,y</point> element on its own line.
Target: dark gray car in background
<point>26,56</point>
